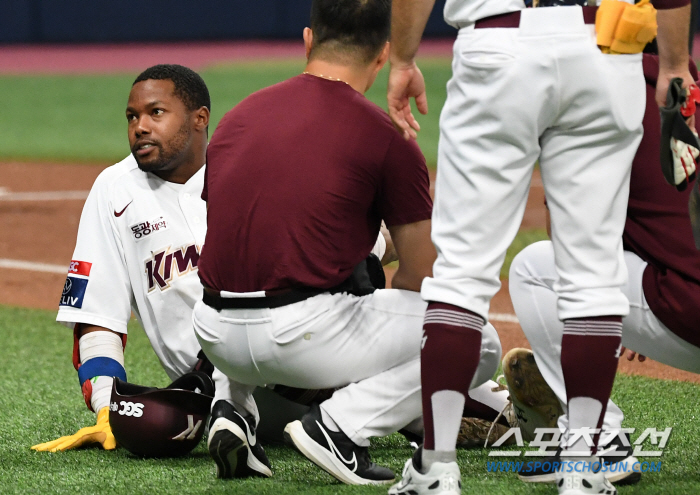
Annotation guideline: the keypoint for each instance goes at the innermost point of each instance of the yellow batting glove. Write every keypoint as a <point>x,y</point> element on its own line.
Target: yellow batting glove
<point>100,433</point>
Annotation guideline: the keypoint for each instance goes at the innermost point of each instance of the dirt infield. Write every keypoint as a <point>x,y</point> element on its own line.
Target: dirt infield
<point>38,229</point>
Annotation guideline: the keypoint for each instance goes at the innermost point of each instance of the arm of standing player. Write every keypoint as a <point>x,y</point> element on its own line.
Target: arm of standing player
<point>103,348</point>
<point>408,20</point>
<point>672,39</point>
<point>416,254</point>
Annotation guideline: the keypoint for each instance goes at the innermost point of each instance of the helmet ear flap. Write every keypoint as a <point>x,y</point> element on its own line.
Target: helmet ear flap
<point>168,422</point>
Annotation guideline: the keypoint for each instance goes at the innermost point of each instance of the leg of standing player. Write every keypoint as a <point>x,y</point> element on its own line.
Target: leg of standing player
<point>586,161</point>
<point>483,181</point>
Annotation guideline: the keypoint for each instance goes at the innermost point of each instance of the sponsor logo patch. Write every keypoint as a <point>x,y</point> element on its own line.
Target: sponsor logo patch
<point>144,229</point>
<point>76,283</point>
<point>79,268</point>
<point>73,292</point>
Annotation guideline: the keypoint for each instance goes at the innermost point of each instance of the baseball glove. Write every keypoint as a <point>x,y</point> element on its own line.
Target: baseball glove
<point>680,146</point>
<point>535,404</point>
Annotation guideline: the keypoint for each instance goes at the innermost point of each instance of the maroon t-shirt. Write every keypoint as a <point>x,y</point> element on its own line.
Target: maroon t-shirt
<point>299,177</point>
<point>658,229</point>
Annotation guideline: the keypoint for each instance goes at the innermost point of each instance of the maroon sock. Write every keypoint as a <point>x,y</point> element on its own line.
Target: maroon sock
<point>450,354</point>
<point>589,356</point>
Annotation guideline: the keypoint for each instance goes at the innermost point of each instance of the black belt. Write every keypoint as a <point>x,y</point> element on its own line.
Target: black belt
<point>366,277</point>
<point>512,19</point>
<point>213,299</point>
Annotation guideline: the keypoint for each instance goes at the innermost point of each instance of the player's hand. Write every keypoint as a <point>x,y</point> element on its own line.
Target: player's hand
<point>664,80</point>
<point>100,433</point>
<point>406,82</point>
<point>630,355</point>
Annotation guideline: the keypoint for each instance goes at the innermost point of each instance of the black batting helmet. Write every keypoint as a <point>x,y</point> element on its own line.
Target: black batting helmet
<point>161,422</point>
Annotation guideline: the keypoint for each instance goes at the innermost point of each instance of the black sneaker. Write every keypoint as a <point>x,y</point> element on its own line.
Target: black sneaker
<point>233,444</point>
<point>334,452</point>
<point>619,471</point>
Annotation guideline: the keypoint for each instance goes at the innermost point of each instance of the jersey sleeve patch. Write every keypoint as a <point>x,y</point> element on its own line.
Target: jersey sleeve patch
<point>74,291</point>
<point>79,268</point>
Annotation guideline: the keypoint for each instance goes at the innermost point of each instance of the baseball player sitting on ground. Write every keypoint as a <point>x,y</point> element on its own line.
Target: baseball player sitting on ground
<point>299,178</point>
<point>138,248</point>
<point>138,245</point>
<point>529,84</point>
<point>663,285</point>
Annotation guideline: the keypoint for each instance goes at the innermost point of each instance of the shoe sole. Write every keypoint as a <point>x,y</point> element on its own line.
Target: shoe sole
<point>295,435</point>
<point>229,448</point>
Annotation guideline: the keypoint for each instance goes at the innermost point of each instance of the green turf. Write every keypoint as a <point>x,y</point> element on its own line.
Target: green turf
<point>81,118</point>
<point>40,400</point>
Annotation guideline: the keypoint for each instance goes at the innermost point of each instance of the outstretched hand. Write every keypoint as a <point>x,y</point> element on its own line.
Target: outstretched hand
<point>406,82</point>
<point>100,433</point>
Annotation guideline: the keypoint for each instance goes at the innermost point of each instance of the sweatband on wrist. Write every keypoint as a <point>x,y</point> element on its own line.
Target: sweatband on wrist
<point>100,366</point>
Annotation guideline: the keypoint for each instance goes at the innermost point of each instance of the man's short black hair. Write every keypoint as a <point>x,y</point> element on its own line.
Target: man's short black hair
<point>189,86</point>
<point>359,28</point>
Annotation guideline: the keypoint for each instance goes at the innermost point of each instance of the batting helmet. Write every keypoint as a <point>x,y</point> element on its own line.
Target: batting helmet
<point>165,422</point>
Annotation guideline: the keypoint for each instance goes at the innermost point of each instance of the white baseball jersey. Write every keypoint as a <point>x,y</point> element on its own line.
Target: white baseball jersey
<point>138,245</point>
<point>137,250</point>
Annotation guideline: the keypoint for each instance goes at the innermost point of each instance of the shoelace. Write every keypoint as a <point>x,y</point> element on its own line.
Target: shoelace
<point>501,386</point>
<point>500,414</point>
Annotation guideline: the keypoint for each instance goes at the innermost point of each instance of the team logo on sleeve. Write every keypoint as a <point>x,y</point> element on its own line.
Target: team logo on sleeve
<point>164,266</point>
<point>143,229</point>
<point>76,283</point>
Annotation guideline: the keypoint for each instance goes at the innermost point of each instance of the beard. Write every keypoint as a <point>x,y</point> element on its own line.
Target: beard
<point>168,156</point>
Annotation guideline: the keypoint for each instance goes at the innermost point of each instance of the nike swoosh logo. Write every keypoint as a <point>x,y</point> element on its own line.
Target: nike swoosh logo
<point>121,212</point>
<point>337,453</point>
<point>251,436</point>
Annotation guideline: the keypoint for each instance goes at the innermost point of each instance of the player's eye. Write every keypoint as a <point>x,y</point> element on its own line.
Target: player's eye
<point>130,117</point>
<point>158,111</point>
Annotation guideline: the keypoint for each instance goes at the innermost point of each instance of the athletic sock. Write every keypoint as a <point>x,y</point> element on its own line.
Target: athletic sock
<point>589,354</point>
<point>450,354</point>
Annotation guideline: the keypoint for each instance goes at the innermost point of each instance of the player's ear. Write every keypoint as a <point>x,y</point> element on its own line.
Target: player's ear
<point>308,41</point>
<point>201,118</point>
<point>383,56</point>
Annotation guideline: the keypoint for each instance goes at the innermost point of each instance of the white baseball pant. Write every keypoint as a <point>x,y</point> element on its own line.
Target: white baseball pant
<point>533,276</point>
<point>541,91</point>
<point>371,344</point>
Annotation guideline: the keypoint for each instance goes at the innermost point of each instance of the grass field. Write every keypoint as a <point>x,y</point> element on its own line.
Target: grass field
<point>81,119</point>
<point>40,401</point>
